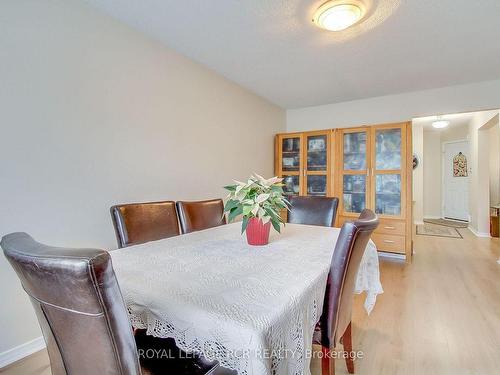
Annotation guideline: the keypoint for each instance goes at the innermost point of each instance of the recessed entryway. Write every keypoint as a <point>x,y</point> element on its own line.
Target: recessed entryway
<point>455,175</point>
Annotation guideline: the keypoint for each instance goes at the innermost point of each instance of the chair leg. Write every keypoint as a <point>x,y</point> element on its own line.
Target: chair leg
<point>327,363</point>
<point>347,342</point>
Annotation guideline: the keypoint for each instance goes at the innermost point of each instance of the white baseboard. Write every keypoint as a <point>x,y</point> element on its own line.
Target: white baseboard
<point>479,234</point>
<point>21,351</point>
<point>418,222</point>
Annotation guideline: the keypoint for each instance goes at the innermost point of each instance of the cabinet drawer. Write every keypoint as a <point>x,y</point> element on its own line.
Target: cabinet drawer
<point>391,227</point>
<point>389,243</point>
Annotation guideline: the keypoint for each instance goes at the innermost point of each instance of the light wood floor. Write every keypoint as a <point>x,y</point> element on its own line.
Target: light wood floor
<point>438,316</point>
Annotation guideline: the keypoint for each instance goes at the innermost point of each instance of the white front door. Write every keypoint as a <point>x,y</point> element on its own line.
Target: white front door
<point>455,189</point>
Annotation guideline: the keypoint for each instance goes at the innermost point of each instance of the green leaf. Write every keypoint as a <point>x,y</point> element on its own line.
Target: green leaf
<point>276,226</point>
<point>234,213</point>
<point>247,209</point>
<point>230,187</point>
<point>230,204</point>
<point>244,224</point>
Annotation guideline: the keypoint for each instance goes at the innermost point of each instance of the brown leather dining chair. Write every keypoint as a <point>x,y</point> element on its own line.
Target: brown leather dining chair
<point>137,223</point>
<point>200,215</point>
<point>313,210</point>
<point>83,318</point>
<point>335,321</point>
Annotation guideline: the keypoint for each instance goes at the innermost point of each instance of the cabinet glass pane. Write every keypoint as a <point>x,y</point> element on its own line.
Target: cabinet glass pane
<point>316,153</point>
<point>290,154</point>
<point>291,185</point>
<point>355,151</point>
<point>388,194</point>
<point>354,193</point>
<point>388,149</point>
<point>316,185</point>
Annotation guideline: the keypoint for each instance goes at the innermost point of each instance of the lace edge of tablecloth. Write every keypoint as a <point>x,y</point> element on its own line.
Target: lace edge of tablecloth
<point>211,350</point>
<point>160,328</point>
<point>368,277</point>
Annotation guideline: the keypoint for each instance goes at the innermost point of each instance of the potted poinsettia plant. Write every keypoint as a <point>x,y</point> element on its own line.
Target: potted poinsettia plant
<point>259,201</point>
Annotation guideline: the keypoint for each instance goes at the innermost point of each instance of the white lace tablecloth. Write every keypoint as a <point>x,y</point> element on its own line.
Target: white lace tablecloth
<point>253,309</point>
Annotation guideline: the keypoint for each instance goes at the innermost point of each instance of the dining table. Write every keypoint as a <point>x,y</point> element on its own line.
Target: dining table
<point>252,308</point>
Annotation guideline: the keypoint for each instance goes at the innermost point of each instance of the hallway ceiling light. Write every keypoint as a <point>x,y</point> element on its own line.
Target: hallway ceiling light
<point>440,123</point>
<point>338,15</point>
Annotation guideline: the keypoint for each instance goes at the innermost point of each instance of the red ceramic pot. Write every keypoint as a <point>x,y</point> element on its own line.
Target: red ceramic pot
<point>257,232</point>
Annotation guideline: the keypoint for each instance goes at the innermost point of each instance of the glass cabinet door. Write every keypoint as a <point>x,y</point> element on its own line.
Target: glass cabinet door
<point>290,163</point>
<point>388,168</point>
<point>290,154</point>
<point>317,152</point>
<point>316,163</point>
<point>354,165</point>
<point>291,185</point>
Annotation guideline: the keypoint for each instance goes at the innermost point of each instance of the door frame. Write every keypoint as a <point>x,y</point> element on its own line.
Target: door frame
<point>443,145</point>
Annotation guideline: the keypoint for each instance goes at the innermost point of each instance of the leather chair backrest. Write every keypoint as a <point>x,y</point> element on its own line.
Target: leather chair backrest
<point>349,250</point>
<point>137,223</point>
<point>79,307</point>
<point>313,210</point>
<point>200,215</point>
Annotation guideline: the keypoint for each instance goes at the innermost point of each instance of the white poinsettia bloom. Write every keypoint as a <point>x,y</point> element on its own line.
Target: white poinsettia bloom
<point>238,189</point>
<point>241,195</point>
<point>255,209</point>
<point>258,197</point>
<point>262,198</point>
<point>259,177</point>
<point>274,180</point>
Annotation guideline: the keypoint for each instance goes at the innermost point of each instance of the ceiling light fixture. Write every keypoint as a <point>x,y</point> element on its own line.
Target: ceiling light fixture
<point>338,15</point>
<point>440,123</point>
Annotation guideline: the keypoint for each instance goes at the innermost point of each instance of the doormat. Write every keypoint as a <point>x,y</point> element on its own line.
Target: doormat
<point>447,223</point>
<point>438,231</point>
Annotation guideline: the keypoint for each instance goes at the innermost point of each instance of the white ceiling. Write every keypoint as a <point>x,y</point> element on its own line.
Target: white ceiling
<point>272,48</point>
<point>456,120</point>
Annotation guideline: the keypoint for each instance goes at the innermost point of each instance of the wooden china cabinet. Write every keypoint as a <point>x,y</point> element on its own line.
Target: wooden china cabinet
<point>304,160</point>
<point>365,167</point>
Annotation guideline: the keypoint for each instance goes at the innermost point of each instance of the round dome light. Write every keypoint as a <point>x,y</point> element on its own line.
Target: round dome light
<point>440,124</point>
<point>339,15</point>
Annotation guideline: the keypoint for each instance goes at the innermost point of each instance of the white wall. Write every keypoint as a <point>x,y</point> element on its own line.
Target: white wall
<point>418,173</point>
<point>454,133</point>
<point>397,108</point>
<point>494,159</point>
<point>432,175</point>
<point>92,113</point>
<point>479,170</point>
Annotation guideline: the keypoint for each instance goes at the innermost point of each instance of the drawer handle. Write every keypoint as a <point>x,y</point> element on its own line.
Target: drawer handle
<point>389,227</point>
<point>389,241</point>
